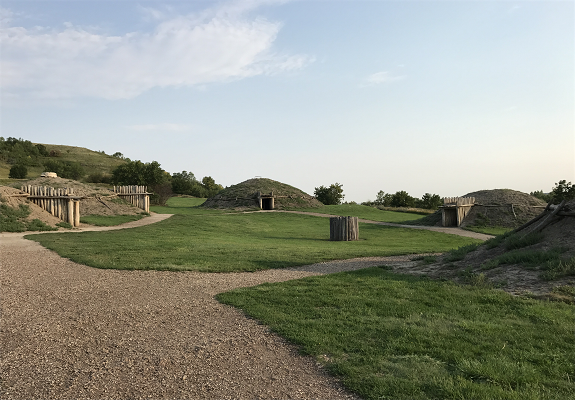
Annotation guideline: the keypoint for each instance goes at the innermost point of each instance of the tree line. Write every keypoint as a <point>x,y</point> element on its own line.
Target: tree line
<point>333,195</point>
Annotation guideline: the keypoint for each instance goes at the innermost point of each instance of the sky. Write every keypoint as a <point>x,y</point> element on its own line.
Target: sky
<point>441,97</point>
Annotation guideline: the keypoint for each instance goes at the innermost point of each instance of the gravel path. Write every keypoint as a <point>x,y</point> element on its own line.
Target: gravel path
<point>68,331</point>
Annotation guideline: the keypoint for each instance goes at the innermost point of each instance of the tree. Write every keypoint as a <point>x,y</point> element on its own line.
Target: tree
<point>331,195</point>
<point>210,185</point>
<point>402,199</point>
<point>18,171</point>
<point>65,169</point>
<point>563,190</point>
<point>184,182</point>
<point>139,173</point>
<point>383,199</point>
<point>430,201</point>
<point>546,197</point>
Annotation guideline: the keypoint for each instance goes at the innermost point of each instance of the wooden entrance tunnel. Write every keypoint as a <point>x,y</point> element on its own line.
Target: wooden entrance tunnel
<point>454,209</point>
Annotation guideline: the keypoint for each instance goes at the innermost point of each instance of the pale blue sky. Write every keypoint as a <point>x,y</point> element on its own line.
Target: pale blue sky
<point>445,97</point>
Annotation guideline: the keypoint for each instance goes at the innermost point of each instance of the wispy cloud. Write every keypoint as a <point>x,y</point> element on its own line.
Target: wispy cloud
<point>169,127</point>
<point>216,45</point>
<point>380,78</point>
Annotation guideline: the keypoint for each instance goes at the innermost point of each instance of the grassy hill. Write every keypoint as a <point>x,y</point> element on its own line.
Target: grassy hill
<point>91,161</point>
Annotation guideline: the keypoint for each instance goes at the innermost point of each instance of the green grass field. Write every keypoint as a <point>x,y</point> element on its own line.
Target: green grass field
<point>390,336</point>
<point>364,212</point>
<point>196,239</point>
<point>109,220</point>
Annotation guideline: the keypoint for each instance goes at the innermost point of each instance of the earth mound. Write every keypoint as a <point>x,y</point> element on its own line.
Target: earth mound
<point>244,195</point>
<point>502,207</point>
<point>537,259</point>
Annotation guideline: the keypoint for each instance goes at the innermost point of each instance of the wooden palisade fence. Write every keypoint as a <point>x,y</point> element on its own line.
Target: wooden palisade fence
<point>136,195</point>
<point>60,203</point>
<point>343,228</point>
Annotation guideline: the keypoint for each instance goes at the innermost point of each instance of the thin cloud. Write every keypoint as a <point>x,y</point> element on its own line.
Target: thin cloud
<point>170,127</point>
<point>182,51</point>
<point>381,78</point>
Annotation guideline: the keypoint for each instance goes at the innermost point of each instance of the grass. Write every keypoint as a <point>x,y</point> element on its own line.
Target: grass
<point>527,258</point>
<point>14,220</point>
<point>391,336</point>
<point>459,253</point>
<point>92,161</point>
<point>109,220</point>
<point>364,212</point>
<point>212,241</point>
<point>489,230</point>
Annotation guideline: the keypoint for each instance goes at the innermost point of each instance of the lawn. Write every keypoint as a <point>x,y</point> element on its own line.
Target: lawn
<point>390,336</point>
<point>365,212</point>
<point>109,220</point>
<point>211,241</point>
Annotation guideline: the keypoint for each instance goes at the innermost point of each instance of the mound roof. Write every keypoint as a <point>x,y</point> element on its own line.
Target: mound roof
<point>502,207</point>
<point>245,195</point>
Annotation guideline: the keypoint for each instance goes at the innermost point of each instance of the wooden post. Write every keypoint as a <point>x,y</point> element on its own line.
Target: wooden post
<point>343,229</point>
<point>70,216</point>
<point>77,213</point>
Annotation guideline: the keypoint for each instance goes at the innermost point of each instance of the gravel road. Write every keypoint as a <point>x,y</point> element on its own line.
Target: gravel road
<point>68,331</point>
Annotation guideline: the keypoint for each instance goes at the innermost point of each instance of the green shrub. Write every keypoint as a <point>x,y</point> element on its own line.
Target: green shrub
<point>63,224</point>
<point>18,171</point>
<point>332,195</point>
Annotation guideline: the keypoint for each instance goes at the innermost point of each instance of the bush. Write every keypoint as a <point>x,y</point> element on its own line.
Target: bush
<point>18,171</point>
<point>55,153</point>
<point>99,177</point>
<point>65,169</point>
<point>331,195</point>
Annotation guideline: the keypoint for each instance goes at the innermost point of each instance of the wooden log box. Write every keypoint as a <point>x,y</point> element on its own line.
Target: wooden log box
<point>343,228</point>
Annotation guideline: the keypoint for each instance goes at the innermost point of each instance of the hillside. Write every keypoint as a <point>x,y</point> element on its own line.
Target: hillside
<point>91,161</point>
<point>244,195</point>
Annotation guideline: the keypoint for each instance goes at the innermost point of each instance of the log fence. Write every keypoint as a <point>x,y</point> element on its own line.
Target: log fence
<point>135,195</point>
<point>61,202</point>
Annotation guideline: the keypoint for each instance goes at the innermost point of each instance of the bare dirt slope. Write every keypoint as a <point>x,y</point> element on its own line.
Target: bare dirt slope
<point>479,267</point>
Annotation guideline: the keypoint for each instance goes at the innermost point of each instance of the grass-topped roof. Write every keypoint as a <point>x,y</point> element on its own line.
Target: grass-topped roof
<point>245,195</point>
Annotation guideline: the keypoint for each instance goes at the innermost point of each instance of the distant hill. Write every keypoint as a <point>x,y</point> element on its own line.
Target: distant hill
<point>91,161</point>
